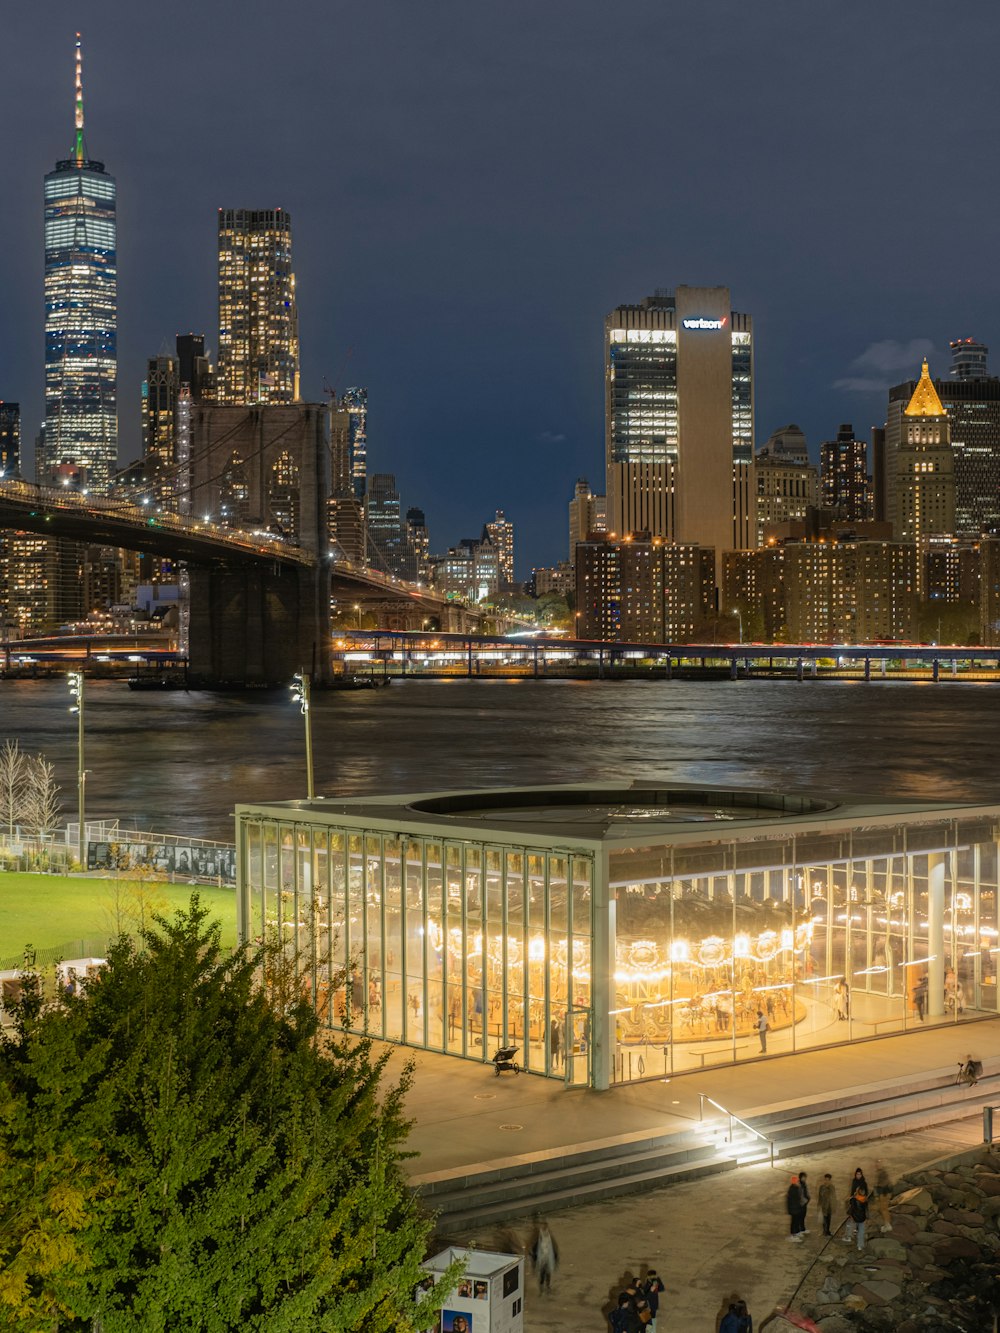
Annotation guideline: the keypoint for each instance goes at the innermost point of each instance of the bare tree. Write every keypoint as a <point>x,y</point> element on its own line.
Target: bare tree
<point>13,782</point>
<point>41,803</point>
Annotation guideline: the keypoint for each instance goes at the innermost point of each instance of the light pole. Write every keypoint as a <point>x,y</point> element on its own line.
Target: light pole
<point>358,610</point>
<point>739,616</point>
<point>76,690</point>
<point>301,695</point>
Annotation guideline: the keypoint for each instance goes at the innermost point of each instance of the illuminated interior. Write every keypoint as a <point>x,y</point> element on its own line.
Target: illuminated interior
<point>614,936</point>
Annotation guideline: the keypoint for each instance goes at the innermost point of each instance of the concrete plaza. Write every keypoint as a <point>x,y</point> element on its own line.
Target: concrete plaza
<point>708,1237</point>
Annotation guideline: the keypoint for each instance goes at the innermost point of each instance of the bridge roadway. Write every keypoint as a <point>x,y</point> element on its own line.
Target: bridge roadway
<point>52,511</point>
<point>434,653</point>
<point>260,606</point>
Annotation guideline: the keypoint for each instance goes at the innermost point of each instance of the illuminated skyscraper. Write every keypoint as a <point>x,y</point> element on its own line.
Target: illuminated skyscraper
<point>258,322</point>
<point>844,471</point>
<point>501,533</point>
<point>10,439</point>
<point>81,314</point>
<point>679,419</point>
<point>356,402</point>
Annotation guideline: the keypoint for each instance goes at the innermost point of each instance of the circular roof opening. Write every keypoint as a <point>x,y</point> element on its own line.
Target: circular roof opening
<point>624,805</point>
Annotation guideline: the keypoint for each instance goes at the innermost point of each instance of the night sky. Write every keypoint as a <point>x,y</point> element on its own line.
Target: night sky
<point>473,185</point>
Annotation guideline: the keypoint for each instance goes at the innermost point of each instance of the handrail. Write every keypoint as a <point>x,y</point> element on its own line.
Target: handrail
<point>703,1097</point>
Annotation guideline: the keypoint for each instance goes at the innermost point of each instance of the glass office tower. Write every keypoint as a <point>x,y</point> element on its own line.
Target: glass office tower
<point>615,934</point>
<point>81,315</point>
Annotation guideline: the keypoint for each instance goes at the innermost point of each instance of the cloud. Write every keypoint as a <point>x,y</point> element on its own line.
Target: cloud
<point>885,363</point>
<point>550,437</point>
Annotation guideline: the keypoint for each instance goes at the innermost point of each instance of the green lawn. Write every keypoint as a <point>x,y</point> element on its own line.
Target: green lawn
<point>53,911</point>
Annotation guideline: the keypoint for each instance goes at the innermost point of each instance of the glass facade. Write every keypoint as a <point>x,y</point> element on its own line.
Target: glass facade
<point>448,945</point>
<point>643,371</point>
<point>81,322</point>
<point>258,319</point>
<point>627,934</point>
<point>832,937</point>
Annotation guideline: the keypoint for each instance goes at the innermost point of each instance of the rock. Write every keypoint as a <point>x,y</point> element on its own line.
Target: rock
<point>837,1324</point>
<point>988,1183</point>
<point>961,1218</point>
<point>878,1292</point>
<point>955,1247</point>
<point>907,1228</point>
<point>943,1228</point>
<point>953,1178</point>
<point>990,1207</point>
<point>916,1198</point>
<point>884,1247</point>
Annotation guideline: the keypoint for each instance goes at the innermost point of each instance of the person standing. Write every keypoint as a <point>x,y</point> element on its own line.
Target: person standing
<point>795,1207</point>
<point>806,1196</point>
<point>652,1288</point>
<point>555,1043</point>
<point>882,1194</point>
<point>857,1212</point>
<point>762,1026</point>
<point>545,1256</point>
<point>624,1319</point>
<point>737,1320</point>
<point>826,1197</point>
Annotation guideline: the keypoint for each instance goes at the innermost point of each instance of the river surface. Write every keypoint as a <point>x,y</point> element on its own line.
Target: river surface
<point>179,763</point>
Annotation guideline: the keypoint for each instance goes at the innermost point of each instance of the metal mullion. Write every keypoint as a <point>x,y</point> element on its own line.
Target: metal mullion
<point>425,870</point>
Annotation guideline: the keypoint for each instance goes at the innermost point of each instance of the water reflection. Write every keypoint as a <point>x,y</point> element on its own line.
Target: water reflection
<point>181,762</point>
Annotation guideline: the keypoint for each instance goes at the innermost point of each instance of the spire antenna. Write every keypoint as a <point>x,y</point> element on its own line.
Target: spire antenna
<point>80,154</point>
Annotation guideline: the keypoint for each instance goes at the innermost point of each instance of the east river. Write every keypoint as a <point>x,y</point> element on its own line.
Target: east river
<point>179,763</point>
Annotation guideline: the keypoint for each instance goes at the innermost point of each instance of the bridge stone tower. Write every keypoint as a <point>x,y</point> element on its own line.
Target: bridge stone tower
<point>262,468</point>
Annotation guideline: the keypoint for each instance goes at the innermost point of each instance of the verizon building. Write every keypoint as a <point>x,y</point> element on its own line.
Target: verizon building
<point>679,419</point>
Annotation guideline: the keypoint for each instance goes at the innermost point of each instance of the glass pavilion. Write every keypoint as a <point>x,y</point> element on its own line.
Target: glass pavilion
<point>621,932</point>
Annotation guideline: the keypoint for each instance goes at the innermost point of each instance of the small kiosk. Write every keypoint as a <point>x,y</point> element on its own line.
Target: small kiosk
<point>489,1297</point>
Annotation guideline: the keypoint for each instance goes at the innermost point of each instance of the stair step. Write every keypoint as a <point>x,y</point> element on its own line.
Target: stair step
<point>603,1171</point>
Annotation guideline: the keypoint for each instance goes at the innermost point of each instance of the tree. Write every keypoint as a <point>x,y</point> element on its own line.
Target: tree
<point>41,804</point>
<point>13,776</point>
<point>255,1178</point>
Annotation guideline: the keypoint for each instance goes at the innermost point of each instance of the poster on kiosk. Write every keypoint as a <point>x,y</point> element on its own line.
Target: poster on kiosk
<point>489,1297</point>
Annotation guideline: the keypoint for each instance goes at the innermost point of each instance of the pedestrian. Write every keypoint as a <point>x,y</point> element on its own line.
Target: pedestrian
<point>806,1196</point>
<point>653,1288</point>
<point>624,1319</point>
<point>545,1256</point>
<point>762,1026</point>
<point>882,1194</point>
<point>555,1043</point>
<point>857,1214</point>
<point>795,1207</point>
<point>737,1320</point>
<point>920,996</point>
<point>842,1000</point>
<point>826,1197</point>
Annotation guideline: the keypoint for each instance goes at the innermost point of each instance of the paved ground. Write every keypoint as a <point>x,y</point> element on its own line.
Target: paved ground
<point>707,1238</point>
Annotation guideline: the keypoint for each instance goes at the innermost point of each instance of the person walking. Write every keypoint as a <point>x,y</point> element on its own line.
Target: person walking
<point>826,1197</point>
<point>545,1256</point>
<point>762,1026</point>
<point>920,997</point>
<point>857,1216</point>
<point>881,1196</point>
<point>795,1207</point>
<point>806,1196</point>
<point>737,1320</point>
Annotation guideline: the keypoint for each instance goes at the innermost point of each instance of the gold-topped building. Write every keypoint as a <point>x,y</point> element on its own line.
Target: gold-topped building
<point>920,468</point>
<point>925,401</point>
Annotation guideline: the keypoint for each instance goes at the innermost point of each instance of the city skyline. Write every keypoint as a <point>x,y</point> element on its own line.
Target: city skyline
<point>420,208</point>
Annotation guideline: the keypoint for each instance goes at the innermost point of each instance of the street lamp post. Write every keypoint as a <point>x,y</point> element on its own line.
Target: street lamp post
<point>739,616</point>
<point>357,608</point>
<point>76,690</point>
<point>301,694</point>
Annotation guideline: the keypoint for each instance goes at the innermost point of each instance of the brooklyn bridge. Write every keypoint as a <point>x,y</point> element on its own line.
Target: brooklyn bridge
<point>260,602</point>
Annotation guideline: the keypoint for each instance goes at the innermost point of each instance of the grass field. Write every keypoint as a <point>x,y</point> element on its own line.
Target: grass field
<point>50,911</point>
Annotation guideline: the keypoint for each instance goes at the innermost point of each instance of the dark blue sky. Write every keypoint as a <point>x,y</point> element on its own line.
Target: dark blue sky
<point>474,185</point>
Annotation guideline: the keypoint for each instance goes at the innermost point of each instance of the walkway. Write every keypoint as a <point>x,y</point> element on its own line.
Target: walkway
<point>707,1237</point>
